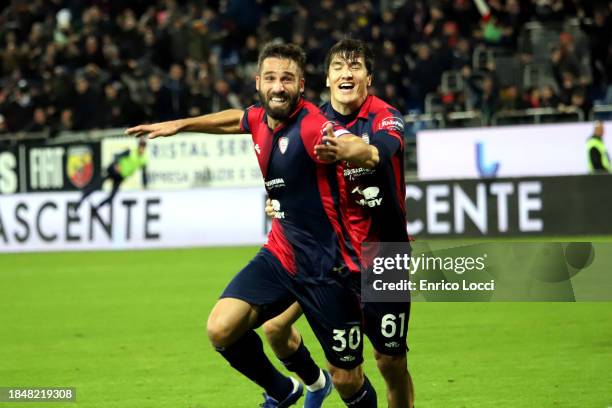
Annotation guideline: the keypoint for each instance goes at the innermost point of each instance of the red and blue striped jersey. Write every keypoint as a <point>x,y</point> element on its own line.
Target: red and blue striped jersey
<point>377,197</point>
<point>310,233</point>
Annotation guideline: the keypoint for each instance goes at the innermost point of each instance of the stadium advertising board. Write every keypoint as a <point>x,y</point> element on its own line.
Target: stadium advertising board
<point>547,206</point>
<point>64,167</point>
<point>192,161</point>
<point>9,171</point>
<point>204,217</point>
<point>235,216</point>
<point>509,151</point>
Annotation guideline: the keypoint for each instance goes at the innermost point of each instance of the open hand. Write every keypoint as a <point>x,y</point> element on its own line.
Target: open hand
<point>155,129</point>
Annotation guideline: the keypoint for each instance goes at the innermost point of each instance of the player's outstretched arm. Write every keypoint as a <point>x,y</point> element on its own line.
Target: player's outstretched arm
<point>349,148</point>
<point>227,121</point>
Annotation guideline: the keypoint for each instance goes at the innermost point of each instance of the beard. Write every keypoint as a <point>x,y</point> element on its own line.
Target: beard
<point>280,113</point>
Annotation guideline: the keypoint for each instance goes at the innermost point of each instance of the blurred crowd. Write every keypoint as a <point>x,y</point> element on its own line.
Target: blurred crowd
<point>79,65</point>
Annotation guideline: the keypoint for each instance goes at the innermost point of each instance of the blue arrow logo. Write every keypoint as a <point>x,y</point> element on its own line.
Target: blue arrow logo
<point>484,169</point>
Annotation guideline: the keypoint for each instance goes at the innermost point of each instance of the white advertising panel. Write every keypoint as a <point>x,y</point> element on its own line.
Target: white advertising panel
<point>191,160</point>
<point>509,151</point>
<point>202,217</point>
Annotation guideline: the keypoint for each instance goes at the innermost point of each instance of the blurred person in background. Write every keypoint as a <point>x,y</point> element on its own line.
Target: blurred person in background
<point>40,122</point>
<point>66,121</point>
<point>598,29</point>
<point>129,41</point>
<point>3,128</point>
<point>548,98</point>
<point>19,109</point>
<point>123,166</point>
<point>597,154</point>
<point>117,108</point>
<point>85,105</point>
<point>486,94</point>
<point>174,95</point>
<point>509,99</point>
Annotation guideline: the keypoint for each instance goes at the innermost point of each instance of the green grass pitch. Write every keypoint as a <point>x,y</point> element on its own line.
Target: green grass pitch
<point>127,329</point>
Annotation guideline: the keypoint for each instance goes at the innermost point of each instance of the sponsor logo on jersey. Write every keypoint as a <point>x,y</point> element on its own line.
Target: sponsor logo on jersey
<point>275,183</point>
<point>283,142</point>
<point>392,344</point>
<point>354,173</point>
<point>79,165</point>
<point>369,196</point>
<point>392,123</point>
<point>347,358</point>
<point>276,206</point>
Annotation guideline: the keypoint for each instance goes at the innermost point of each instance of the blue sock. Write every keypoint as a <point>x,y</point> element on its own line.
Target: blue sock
<point>247,356</point>
<point>302,364</point>
<point>364,398</point>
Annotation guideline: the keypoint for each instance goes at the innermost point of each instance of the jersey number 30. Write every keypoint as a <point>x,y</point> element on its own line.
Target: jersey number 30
<point>342,340</point>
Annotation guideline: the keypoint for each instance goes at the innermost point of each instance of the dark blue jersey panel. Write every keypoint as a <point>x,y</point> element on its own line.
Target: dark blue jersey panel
<point>377,196</point>
<point>305,237</point>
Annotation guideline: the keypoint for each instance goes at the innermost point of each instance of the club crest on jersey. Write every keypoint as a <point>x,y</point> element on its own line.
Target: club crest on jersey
<point>283,142</point>
<point>366,138</point>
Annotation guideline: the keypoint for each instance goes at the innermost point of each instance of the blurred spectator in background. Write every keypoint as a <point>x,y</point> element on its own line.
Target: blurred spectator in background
<point>117,108</point>
<point>223,98</point>
<point>66,122</point>
<point>510,99</point>
<point>20,107</point>
<point>486,93</point>
<point>597,154</point>
<point>168,57</point>
<point>548,97</point>
<point>578,101</point>
<point>85,105</point>
<point>39,122</point>
<point>3,128</point>
<point>533,98</point>
<point>599,30</point>
<point>425,76</point>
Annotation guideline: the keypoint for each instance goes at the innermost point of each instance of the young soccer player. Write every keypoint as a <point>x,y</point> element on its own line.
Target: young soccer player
<point>377,208</point>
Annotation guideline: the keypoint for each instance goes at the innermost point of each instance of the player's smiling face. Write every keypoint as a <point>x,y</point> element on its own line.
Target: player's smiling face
<point>279,84</point>
<point>348,81</point>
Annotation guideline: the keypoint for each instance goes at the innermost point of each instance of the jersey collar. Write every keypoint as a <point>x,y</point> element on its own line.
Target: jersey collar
<point>365,107</point>
<point>364,110</point>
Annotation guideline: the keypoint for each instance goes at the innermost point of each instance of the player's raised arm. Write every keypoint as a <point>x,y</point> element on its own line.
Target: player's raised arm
<point>224,122</point>
<point>349,148</point>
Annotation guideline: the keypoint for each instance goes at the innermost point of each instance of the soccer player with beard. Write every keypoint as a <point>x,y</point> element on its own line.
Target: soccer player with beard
<point>310,257</point>
<point>377,208</point>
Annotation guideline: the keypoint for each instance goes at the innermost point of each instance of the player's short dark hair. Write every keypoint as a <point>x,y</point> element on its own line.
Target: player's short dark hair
<point>350,49</point>
<point>283,51</point>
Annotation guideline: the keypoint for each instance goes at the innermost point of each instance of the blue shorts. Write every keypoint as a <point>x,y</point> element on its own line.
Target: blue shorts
<point>386,325</point>
<point>331,308</point>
